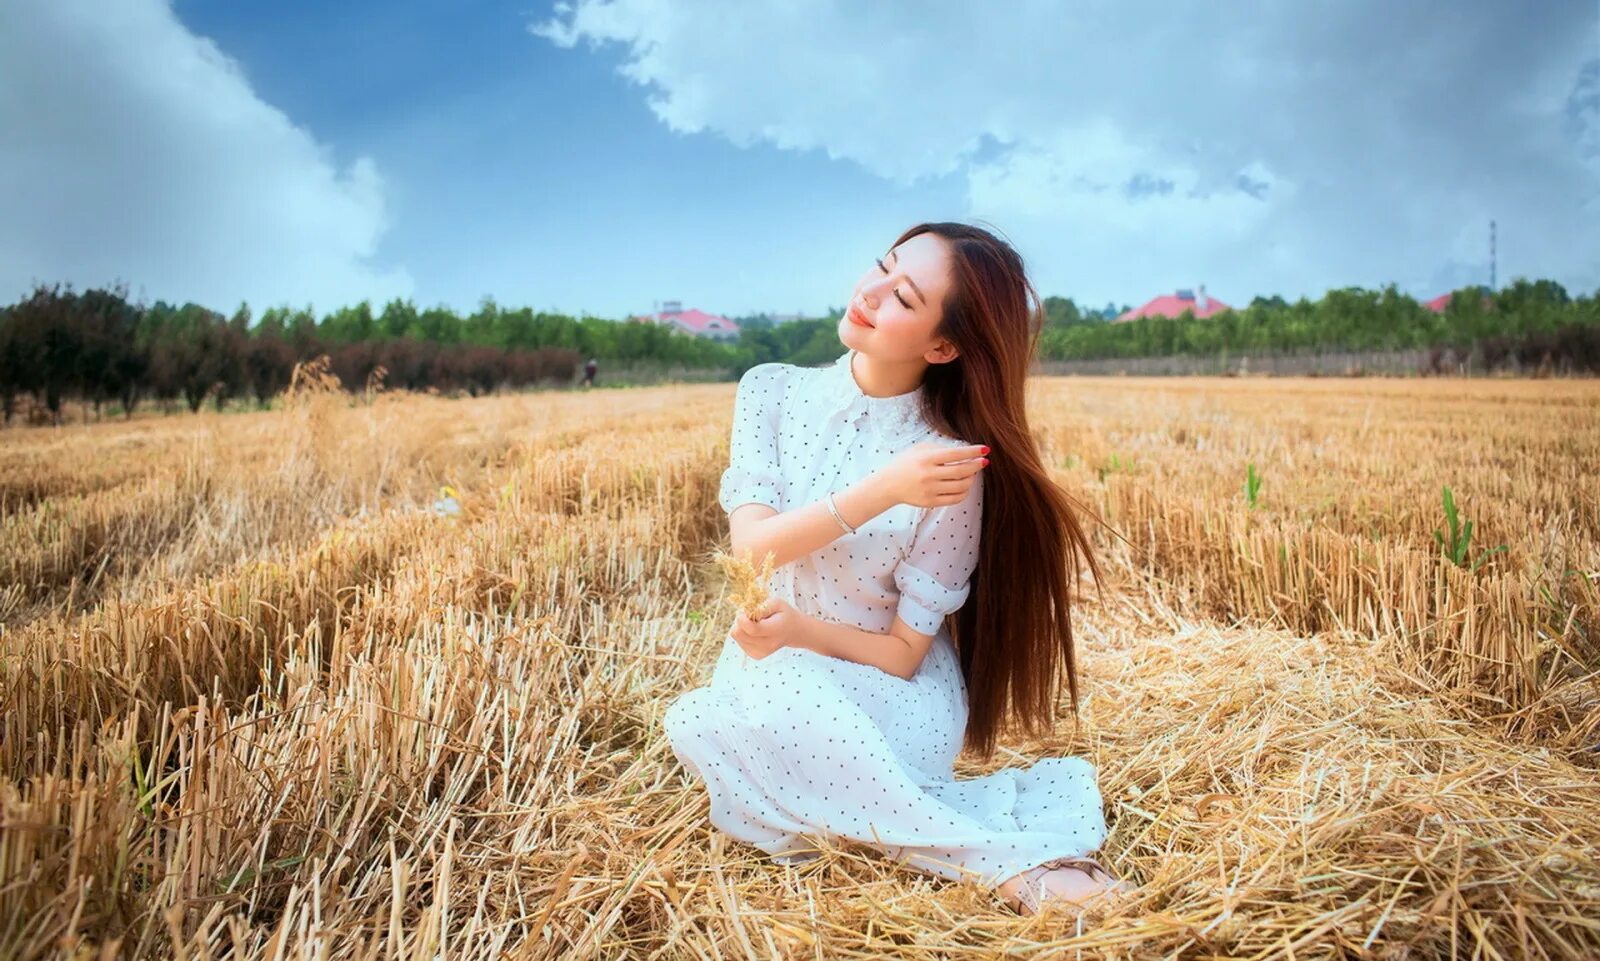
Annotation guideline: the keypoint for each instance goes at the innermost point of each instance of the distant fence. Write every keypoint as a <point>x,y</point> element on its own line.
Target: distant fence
<point>1415,362</point>
<point>647,373</point>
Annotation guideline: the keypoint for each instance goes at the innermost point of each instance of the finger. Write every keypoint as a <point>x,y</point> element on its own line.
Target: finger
<point>959,483</point>
<point>961,455</point>
<point>961,471</point>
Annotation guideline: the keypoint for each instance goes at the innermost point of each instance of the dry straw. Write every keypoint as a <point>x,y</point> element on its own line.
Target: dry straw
<point>241,717</point>
<point>748,582</point>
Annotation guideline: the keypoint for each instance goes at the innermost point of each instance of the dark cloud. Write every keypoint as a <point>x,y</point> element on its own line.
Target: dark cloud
<point>1141,185</point>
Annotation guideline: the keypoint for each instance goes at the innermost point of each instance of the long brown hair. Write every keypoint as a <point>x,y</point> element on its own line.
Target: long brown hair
<point>1014,632</point>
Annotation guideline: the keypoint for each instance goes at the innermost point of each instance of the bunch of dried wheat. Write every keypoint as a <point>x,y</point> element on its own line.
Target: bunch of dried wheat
<point>749,583</point>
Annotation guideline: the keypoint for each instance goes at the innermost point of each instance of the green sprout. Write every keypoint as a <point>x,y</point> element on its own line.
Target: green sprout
<point>1113,464</point>
<point>1458,547</point>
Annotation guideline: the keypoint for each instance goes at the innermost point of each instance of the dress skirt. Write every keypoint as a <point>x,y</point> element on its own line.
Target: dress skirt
<point>799,744</point>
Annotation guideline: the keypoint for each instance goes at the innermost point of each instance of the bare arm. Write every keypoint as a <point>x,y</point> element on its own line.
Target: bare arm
<point>937,477</point>
<point>758,528</point>
<point>934,580</point>
<point>899,652</point>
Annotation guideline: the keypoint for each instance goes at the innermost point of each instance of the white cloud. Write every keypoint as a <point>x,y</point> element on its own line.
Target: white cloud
<point>137,151</point>
<point>1583,116</point>
<point>1264,147</point>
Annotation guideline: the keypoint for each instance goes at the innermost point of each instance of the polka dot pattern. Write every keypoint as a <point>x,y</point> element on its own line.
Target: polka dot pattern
<point>799,744</point>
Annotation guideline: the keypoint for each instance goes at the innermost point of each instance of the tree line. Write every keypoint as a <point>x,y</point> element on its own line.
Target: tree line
<point>99,347</point>
<point>1529,322</point>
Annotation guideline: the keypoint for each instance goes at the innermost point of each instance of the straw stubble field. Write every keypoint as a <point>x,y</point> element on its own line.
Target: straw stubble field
<point>261,701</point>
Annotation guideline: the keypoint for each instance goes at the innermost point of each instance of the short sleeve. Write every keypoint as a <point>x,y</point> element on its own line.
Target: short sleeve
<point>935,576</point>
<point>752,475</point>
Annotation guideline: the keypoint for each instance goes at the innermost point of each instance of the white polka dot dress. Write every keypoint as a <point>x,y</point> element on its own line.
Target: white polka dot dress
<point>800,744</point>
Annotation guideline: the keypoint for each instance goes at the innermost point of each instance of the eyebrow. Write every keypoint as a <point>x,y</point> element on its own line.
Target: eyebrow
<point>896,255</point>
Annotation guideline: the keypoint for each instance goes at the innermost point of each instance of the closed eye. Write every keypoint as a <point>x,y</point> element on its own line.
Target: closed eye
<point>897,289</point>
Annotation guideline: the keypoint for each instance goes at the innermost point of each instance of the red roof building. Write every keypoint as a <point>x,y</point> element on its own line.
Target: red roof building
<point>1174,304</point>
<point>697,323</point>
<point>1441,303</point>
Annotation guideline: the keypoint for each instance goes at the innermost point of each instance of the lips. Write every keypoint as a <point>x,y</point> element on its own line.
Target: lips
<point>857,317</point>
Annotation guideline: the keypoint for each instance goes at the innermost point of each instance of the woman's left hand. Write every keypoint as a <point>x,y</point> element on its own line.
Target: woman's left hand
<point>779,626</point>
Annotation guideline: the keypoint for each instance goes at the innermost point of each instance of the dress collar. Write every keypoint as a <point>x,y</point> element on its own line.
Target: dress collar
<point>887,416</point>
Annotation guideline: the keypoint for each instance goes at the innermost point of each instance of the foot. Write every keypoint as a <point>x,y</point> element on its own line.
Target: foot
<point>1071,882</point>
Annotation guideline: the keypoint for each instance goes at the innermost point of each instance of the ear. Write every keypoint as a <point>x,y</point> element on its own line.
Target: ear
<point>943,353</point>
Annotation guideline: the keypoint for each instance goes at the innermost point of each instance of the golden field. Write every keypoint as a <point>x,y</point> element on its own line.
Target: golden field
<point>261,701</point>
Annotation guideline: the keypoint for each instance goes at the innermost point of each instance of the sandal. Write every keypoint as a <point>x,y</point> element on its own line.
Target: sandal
<point>1032,892</point>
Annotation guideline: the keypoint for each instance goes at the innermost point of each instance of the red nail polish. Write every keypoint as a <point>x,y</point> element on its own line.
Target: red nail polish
<point>986,462</point>
<point>986,450</point>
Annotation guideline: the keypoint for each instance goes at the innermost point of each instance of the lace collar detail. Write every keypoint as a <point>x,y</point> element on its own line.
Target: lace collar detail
<point>888,417</point>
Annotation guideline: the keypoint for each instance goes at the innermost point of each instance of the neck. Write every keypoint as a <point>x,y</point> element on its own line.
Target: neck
<point>879,379</point>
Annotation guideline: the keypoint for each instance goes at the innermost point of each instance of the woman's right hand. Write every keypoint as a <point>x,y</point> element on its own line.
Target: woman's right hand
<point>932,475</point>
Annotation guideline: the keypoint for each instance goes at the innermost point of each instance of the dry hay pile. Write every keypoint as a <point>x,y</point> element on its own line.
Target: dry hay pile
<point>289,710</point>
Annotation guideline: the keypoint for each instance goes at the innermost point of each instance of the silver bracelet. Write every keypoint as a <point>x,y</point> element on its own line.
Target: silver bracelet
<point>835,511</point>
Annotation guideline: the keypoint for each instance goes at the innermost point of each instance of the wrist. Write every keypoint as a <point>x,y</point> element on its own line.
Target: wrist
<point>811,634</point>
<point>881,492</point>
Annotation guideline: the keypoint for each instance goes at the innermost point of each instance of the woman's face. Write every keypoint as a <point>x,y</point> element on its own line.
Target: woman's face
<point>901,296</point>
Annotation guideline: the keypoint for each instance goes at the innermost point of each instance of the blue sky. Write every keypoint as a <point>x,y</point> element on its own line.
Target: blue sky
<point>563,188</point>
<point>594,157</point>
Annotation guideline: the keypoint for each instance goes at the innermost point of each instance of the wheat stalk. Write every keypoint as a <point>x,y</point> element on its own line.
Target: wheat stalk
<point>749,592</point>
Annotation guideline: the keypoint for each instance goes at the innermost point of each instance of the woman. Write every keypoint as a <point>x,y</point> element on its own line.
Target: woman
<point>919,590</point>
